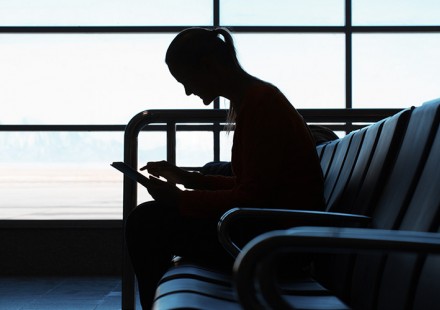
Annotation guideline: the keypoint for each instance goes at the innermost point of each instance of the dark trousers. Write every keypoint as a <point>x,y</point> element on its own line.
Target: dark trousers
<point>155,233</point>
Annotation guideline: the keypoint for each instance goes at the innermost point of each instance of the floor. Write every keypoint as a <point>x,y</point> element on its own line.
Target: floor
<point>55,293</point>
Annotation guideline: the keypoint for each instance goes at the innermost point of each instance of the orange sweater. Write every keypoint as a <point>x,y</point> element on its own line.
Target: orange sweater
<point>274,162</point>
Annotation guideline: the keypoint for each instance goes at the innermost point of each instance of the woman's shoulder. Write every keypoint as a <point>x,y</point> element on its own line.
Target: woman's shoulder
<point>261,91</point>
<point>262,87</point>
<point>267,93</point>
<point>265,99</point>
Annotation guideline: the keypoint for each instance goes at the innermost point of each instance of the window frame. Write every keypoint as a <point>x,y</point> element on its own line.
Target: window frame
<point>347,29</point>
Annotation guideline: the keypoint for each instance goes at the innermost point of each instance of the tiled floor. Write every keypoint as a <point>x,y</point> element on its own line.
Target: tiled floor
<point>60,293</point>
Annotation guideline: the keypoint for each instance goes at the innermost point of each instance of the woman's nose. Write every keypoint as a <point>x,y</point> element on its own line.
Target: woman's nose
<point>188,91</point>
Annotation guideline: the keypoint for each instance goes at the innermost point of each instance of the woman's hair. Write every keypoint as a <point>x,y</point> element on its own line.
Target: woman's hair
<point>192,45</point>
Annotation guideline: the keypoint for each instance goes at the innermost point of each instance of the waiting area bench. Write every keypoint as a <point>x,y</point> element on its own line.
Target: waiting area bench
<point>377,245</point>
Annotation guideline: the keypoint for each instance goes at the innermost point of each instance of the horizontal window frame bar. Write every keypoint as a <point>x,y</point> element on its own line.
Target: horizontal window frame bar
<point>48,224</point>
<point>62,128</point>
<point>333,29</point>
<point>310,115</point>
<point>341,126</point>
<point>236,29</point>
<point>102,128</point>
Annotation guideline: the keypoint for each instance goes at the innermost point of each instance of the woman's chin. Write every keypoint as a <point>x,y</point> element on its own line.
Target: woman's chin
<point>207,101</point>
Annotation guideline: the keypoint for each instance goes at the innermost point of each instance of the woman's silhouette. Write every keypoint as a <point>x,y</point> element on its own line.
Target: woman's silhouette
<point>274,162</point>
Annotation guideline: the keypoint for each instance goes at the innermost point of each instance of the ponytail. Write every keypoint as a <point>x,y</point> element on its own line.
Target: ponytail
<point>229,43</point>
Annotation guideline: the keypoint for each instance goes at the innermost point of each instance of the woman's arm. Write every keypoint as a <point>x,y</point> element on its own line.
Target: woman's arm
<point>191,180</point>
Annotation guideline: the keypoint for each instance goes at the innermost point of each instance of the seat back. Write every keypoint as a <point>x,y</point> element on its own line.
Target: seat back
<point>422,214</point>
<point>335,271</point>
<point>334,192</point>
<point>386,282</point>
<point>381,162</point>
<point>348,188</point>
<point>326,157</point>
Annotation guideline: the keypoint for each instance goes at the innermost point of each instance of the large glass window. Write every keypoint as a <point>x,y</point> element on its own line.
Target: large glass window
<point>193,148</point>
<point>308,68</point>
<point>281,12</point>
<point>59,191</point>
<point>60,175</point>
<point>101,62</point>
<point>395,70</point>
<point>105,12</point>
<point>86,78</point>
<point>396,12</point>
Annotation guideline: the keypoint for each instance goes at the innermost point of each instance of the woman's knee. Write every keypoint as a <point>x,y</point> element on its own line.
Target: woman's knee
<point>140,217</point>
<point>139,211</point>
<point>148,216</point>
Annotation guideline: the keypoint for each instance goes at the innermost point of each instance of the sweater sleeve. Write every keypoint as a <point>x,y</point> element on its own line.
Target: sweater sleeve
<point>212,182</point>
<point>205,203</point>
<point>210,203</point>
<point>213,201</point>
<point>274,160</point>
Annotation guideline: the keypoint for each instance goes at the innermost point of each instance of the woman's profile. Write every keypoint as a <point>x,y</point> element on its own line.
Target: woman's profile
<point>273,159</point>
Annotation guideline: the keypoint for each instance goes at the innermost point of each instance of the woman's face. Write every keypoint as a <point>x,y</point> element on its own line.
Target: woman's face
<point>197,81</point>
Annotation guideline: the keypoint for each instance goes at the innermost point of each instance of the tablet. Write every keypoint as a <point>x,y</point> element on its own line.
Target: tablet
<point>131,173</point>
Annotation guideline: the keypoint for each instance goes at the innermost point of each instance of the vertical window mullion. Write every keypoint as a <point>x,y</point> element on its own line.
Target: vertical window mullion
<point>216,128</point>
<point>216,13</point>
<point>348,56</point>
<point>216,23</point>
<point>348,62</point>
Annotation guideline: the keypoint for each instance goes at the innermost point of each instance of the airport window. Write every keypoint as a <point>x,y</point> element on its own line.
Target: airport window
<point>85,78</point>
<point>105,13</point>
<point>282,12</point>
<point>395,70</point>
<point>396,12</point>
<point>93,66</point>
<point>299,64</point>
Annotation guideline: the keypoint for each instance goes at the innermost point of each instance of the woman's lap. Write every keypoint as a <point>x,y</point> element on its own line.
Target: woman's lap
<point>155,233</point>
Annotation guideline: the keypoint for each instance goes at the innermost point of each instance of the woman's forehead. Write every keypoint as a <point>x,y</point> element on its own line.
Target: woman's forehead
<point>180,71</point>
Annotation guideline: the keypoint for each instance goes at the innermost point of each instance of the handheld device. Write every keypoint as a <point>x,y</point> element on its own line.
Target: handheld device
<point>131,173</point>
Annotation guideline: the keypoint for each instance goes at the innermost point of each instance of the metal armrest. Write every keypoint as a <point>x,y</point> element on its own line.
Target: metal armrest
<point>262,252</point>
<point>283,218</point>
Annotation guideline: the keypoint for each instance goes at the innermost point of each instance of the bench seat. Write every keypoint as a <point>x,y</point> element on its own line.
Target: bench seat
<point>377,245</point>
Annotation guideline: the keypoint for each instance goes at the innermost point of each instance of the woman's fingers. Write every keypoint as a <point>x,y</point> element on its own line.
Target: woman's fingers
<point>154,167</point>
<point>163,169</point>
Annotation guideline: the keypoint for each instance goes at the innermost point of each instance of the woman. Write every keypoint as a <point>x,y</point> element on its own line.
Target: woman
<point>273,159</point>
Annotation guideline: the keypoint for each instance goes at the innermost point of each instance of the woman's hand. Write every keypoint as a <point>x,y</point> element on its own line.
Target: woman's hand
<point>166,170</point>
<point>163,192</point>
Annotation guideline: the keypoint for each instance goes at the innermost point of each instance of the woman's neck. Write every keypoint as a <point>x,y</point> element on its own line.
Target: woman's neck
<point>237,86</point>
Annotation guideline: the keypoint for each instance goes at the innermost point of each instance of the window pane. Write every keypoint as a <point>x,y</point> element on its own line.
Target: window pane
<point>396,12</point>
<point>194,149</point>
<point>105,12</point>
<point>308,68</point>
<point>395,70</point>
<point>151,147</point>
<point>281,12</point>
<point>60,175</point>
<point>226,145</point>
<point>86,78</point>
